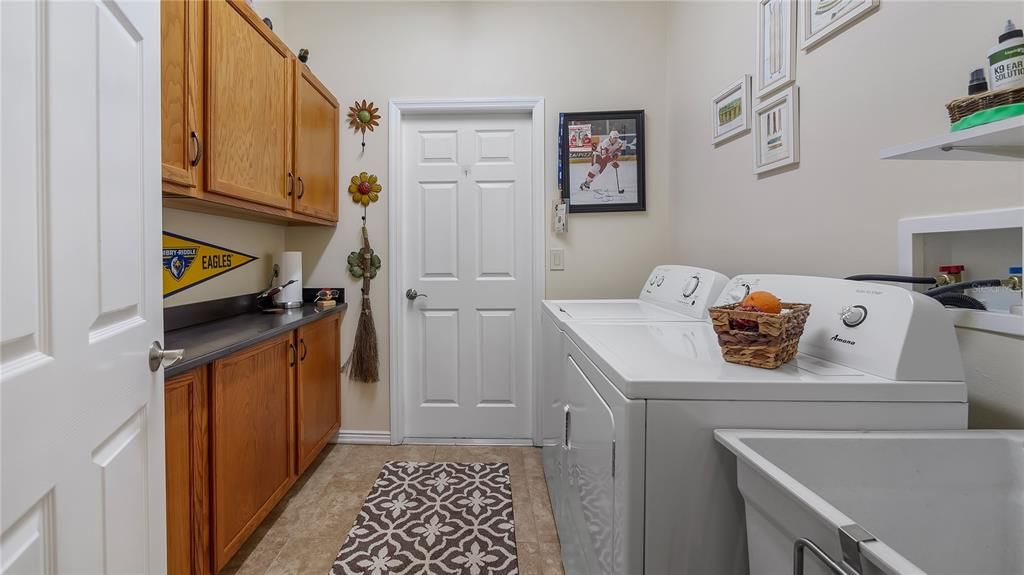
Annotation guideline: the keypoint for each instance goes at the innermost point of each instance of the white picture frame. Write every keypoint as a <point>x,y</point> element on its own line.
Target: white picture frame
<point>823,19</point>
<point>730,111</point>
<point>777,131</point>
<point>776,45</point>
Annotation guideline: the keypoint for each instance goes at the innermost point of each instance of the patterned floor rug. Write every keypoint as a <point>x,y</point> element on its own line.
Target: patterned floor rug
<point>434,519</point>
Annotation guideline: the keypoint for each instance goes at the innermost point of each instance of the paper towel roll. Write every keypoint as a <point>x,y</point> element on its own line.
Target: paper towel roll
<point>289,268</point>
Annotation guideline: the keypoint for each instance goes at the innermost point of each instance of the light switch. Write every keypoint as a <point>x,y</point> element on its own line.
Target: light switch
<point>557,259</point>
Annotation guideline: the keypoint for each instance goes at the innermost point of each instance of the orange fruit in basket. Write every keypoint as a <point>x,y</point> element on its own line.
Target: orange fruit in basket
<point>763,301</point>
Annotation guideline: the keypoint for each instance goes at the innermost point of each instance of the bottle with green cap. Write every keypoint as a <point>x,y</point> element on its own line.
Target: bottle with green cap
<point>1006,59</point>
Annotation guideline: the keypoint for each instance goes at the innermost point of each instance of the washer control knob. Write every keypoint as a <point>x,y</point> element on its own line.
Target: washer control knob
<point>653,278</point>
<point>691,285</point>
<point>739,292</point>
<point>853,315</point>
<point>661,280</point>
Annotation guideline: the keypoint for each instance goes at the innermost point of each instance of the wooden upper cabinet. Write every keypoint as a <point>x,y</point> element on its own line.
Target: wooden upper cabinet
<point>248,107</point>
<point>317,118</point>
<point>318,392</point>
<point>252,440</point>
<point>181,72</point>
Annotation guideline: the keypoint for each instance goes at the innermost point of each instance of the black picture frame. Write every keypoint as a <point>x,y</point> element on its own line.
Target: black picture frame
<point>604,194</point>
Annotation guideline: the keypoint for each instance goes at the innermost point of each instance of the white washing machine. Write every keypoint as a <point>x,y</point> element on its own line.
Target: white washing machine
<point>672,293</point>
<point>649,490</point>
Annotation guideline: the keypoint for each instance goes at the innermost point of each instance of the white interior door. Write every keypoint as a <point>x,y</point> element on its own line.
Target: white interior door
<point>466,217</point>
<point>82,415</point>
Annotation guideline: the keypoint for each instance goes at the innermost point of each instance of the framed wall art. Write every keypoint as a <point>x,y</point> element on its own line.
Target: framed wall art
<point>777,131</point>
<point>822,19</point>
<point>602,155</point>
<point>776,45</point>
<point>730,111</point>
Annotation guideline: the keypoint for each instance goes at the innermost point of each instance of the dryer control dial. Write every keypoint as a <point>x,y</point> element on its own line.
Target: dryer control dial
<point>739,292</point>
<point>853,315</point>
<point>691,285</point>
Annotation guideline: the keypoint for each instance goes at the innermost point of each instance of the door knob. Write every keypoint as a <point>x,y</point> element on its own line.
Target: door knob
<point>166,357</point>
<point>412,294</point>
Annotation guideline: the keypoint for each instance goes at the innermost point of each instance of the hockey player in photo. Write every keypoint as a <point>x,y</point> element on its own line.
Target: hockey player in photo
<point>605,153</point>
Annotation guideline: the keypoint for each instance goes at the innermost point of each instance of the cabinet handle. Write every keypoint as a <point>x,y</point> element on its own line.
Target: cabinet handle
<point>199,149</point>
<point>291,183</point>
<point>291,350</point>
<point>302,188</point>
<point>302,343</point>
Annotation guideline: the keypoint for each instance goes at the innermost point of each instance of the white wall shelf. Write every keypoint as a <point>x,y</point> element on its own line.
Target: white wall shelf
<point>998,141</point>
<point>962,231</point>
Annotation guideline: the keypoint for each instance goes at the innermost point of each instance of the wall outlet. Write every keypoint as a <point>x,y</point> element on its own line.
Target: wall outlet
<point>557,259</point>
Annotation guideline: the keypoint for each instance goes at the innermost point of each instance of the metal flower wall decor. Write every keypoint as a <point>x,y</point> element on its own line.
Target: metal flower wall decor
<point>363,116</point>
<point>364,189</point>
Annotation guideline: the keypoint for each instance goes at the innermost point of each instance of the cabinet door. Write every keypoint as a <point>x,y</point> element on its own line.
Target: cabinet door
<point>181,74</point>
<point>249,107</point>
<point>251,436</point>
<point>316,147</point>
<point>186,417</point>
<point>318,392</point>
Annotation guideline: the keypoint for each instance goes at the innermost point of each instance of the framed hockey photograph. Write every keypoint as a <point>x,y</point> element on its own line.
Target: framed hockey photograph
<point>777,131</point>
<point>730,111</point>
<point>776,45</point>
<point>822,19</point>
<point>602,154</point>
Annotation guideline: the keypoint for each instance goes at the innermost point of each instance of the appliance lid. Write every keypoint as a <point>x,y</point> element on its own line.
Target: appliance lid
<point>679,360</point>
<point>613,310</point>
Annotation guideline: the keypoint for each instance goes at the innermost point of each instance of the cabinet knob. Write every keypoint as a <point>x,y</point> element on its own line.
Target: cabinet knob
<point>291,184</point>
<point>302,344</point>
<point>302,187</point>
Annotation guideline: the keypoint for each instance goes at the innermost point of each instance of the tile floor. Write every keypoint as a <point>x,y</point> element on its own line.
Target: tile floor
<point>303,533</point>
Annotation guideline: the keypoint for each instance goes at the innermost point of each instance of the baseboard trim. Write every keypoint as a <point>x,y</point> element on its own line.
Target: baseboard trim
<point>466,441</point>
<point>363,437</point>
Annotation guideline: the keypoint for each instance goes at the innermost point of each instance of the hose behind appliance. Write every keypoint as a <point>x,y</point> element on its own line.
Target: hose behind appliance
<point>960,300</point>
<point>962,286</point>
<point>926,280</point>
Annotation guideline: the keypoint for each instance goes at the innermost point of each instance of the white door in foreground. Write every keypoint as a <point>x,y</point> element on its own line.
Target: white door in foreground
<point>466,253</point>
<point>82,415</point>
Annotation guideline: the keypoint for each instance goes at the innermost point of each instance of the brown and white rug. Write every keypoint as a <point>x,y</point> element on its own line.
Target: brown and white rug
<point>434,519</point>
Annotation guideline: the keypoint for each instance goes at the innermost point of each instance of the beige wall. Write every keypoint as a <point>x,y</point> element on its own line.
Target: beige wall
<point>882,82</point>
<point>253,238</point>
<point>388,50</point>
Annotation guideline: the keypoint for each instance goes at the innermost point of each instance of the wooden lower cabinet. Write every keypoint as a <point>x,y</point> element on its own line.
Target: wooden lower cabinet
<point>186,418</point>
<point>317,395</point>
<point>252,438</point>
<point>238,434</point>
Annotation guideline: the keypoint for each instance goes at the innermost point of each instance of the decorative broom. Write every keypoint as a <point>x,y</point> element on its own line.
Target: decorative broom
<point>364,363</point>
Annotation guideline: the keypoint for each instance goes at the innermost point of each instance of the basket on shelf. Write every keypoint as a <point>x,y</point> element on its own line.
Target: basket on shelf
<point>962,107</point>
<point>759,339</point>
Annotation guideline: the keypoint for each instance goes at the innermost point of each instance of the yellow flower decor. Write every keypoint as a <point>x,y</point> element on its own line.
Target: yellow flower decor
<point>364,189</point>
<point>362,117</point>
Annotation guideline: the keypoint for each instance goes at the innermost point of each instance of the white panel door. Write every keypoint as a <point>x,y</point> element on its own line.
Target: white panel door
<point>82,415</point>
<point>466,207</point>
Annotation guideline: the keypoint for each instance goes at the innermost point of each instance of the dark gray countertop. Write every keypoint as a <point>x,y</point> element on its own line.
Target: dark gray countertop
<point>206,342</point>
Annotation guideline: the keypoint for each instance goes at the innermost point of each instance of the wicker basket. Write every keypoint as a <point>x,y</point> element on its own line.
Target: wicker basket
<point>773,343</point>
<point>962,107</point>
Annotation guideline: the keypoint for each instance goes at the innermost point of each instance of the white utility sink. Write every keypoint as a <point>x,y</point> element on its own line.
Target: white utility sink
<point>943,503</point>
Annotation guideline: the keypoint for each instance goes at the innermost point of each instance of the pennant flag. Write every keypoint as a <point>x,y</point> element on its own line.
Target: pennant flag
<point>189,262</point>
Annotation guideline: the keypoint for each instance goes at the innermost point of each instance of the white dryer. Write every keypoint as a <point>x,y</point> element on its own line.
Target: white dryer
<point>649,489</point>
<point>672,293</point>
